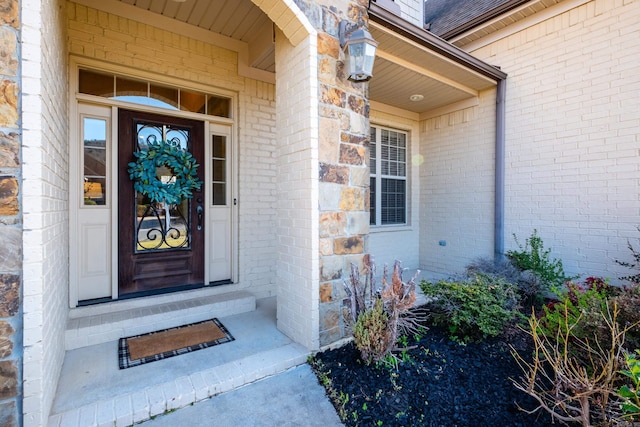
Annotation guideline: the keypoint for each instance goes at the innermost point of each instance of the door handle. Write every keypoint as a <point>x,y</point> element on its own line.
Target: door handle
<point>199,212</point>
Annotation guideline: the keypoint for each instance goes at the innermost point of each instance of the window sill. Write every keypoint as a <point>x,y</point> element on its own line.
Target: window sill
<point>389,228</point>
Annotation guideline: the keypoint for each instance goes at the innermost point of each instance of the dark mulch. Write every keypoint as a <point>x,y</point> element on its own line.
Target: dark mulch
<point>443,384</point>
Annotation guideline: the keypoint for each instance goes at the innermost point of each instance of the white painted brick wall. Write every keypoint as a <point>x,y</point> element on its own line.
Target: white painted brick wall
<point>456,192</point>
<point>45,203</point>
<point>297,160</point>
<point>573,134</point>
<point>45,153</point>
<point>572,145</point>
<point>387,244</point>
<point>257,188</point>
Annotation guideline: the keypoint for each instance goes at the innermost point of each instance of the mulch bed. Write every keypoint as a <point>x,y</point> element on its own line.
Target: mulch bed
<point>442,384</point>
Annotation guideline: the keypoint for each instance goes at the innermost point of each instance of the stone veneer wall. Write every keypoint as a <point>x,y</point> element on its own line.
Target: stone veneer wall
<point>342,159</point>
<point>10,218</point>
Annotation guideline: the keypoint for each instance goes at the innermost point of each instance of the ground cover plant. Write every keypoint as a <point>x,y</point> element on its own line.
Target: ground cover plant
<point>495,352</point>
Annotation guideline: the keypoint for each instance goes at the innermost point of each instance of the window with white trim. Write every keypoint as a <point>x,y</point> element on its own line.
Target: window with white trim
<point>388,176</point>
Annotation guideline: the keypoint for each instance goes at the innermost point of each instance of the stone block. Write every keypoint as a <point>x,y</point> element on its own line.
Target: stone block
<point>6,342</point>
<point>348,245</point>
<point>331,319</point>
<point>10,150</point>
<point>8,196</point>
<point>355,139</point>
<point>8,414</point>
<point>352,199</point>
<point>332,96</point>
<point>357,223</point>
<point>9,12</point>
<point>329,196</point>
<point>357,105</point>
<point>328,146</point>
<point>8,379</point>
<point>9,104</point>
<point>333,173</point>
<point>360,176</point>
<point>9,294</point>
<point>312,11</point>
<point>328,45</point>
<point>326,246</point>
<point>330,22</point>
<point>352,154</point>
<point>8,52</point>
<point>327,70</point>
<point>11,253</point>
<point>330,268</point>
<point>326,290</point>
<point>330,336</point>
<point>333,224</point>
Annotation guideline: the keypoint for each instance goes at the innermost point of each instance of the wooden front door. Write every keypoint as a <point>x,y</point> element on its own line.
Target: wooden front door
<point>160,245</point>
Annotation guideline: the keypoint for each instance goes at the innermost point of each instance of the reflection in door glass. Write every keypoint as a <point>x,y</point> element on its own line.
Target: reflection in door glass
<point>160,225</point>
<point>94,132</point>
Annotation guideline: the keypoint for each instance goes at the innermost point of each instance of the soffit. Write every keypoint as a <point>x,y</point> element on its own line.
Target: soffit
<point>502,21</point>
<point>404,67</point>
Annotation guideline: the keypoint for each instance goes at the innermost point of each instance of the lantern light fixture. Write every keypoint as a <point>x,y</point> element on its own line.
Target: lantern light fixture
<point>360,51</point>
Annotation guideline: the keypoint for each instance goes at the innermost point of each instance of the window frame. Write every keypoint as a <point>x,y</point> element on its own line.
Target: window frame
<point>375,165</point>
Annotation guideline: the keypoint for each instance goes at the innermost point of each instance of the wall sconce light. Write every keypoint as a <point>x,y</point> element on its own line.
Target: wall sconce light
<point>360,52</point>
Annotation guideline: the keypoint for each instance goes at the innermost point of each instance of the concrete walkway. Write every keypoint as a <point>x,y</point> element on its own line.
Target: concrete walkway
<point>292,398</point>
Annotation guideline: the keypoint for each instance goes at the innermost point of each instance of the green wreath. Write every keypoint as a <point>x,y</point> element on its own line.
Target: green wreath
<point>182,164</point>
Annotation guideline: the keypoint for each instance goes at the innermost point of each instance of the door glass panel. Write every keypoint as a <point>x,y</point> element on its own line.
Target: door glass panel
<point>219,170</point>
<point>95,161</point>
<point>159,225</point>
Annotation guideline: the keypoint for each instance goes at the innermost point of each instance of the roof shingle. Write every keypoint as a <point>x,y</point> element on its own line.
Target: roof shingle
<point>444,16</point>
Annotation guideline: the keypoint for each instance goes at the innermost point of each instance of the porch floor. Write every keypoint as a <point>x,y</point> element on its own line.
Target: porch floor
<point>92,390</point>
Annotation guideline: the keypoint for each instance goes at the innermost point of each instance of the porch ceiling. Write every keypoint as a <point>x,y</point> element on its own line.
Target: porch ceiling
<point>237,19</point>
<point>405,66</point>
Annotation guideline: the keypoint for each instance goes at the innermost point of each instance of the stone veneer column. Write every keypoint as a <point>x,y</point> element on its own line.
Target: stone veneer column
<point>10,219</point>
<point>343,169</point>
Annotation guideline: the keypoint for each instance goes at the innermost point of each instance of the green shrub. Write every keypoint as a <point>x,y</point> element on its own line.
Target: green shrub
<point>582,314</point>
<point>474,308</point>
<point>631,395</point>
<point>535,258</point>
<point>628,300</point>
<point>585,309</point>
<point>370,333</point>
<point>635,265</point>
<point>529,285</point>
<point>378,322</point>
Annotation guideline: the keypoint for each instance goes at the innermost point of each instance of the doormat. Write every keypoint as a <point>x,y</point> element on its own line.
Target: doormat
<point>145,348</point>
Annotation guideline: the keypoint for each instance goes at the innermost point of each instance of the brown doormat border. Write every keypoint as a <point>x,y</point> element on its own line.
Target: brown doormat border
<point>124,356</point>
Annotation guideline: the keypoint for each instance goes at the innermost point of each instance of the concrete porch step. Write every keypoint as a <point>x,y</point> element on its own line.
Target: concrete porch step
<point>103,323</point>
<point>93,391</point>
<point>134,407</point>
